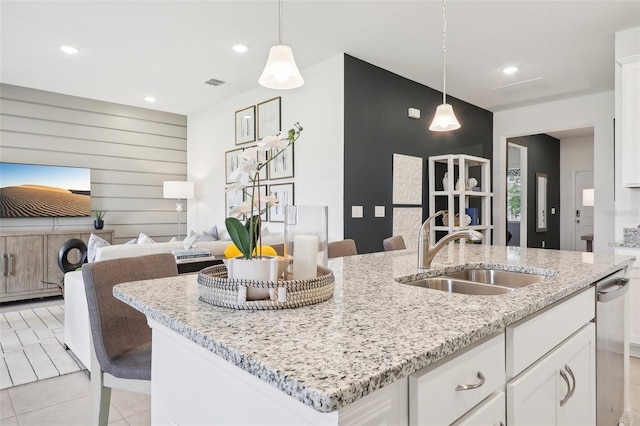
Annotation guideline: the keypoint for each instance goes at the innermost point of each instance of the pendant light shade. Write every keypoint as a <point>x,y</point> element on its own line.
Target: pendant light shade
<point>444,119</point>
<point>281,71</point>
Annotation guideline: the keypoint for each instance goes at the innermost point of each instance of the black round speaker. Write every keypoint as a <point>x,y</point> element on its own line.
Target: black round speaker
<point>66,248</point>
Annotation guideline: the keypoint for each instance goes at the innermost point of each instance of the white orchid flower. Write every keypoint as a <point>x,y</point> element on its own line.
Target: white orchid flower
<point>275,141</point>
<point>254,154</point>
<point>241,209</point>
<point>237,186</point>
<point>264,201</point>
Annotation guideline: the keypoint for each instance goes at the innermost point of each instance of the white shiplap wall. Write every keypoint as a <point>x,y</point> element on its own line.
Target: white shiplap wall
<point>129,150</point>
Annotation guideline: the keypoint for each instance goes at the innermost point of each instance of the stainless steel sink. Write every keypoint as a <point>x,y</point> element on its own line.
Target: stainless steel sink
<point>452,285</point>
<point>496,277</point>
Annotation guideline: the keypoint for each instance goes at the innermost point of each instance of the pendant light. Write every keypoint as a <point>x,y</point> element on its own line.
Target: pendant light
<point>281,71</point>
<point>444,119</point>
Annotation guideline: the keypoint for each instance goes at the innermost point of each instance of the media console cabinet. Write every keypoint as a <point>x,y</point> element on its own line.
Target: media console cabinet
<point>29,261</point>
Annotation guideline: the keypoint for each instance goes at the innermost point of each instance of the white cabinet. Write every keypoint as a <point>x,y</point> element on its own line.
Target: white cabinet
<point>490,412</point>
<point>559,389</point>
<point>441,393</point>
<point>630,121</point>
<point>457,195</point>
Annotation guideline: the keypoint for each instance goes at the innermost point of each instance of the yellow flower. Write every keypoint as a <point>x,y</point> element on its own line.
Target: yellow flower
<point>233,251</point>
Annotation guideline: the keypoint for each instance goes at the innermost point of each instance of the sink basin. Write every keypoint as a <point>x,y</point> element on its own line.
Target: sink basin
<point>496,277</point>
<point>459,286</point>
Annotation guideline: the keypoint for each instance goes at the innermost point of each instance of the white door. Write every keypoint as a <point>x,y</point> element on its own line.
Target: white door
<point>583,220</point>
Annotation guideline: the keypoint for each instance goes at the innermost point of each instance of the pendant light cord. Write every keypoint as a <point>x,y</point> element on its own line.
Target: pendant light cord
<point>444,50</point>
<point>280,22</point>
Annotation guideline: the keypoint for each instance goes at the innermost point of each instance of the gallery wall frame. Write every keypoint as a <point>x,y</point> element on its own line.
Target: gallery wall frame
<point>286,197</point>
<point>232,161</point>
<point>232,200</point>
<point>269,117</point>
<point>246,125</point>
<point>282,166</point>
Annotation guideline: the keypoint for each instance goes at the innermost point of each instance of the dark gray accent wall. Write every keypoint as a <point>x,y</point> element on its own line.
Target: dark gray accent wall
<point>543,156</point>
<point>376,126</point>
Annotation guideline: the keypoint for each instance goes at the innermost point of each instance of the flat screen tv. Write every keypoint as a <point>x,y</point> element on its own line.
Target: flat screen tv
<point>30,190</point>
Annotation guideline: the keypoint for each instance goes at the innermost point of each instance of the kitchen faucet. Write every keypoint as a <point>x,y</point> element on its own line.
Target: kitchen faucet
<point>426,252</point>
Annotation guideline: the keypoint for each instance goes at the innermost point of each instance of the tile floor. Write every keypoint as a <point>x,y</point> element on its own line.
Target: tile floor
<point>32,343</point>
<point>66,400</point>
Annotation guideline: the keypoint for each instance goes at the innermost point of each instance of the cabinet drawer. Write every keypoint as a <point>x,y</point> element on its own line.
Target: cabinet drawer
<point>433,398</point>
<point>490,412</point>
<point>532,338</point>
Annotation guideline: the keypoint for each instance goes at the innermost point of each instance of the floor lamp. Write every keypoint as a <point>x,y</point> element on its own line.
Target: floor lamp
<point>179,190</point>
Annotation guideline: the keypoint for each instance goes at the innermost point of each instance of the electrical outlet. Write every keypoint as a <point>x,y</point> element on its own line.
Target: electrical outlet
<point>379,211</point>
<point>357,212</point>
<point>553,210</point>
<point>542,243</point>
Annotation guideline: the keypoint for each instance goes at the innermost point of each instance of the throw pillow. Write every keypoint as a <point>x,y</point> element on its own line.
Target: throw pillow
<point>145,239</point>
<point>132,241</point>
<point>214,232</point>
<point>206,237</point>
<point>92,247</point>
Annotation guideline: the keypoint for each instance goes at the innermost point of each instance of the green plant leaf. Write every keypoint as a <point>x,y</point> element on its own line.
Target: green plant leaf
<point>239,235</point>
<point>255,233</point>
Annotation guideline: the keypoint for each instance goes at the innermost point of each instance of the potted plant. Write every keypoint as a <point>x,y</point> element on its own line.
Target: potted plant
<point>98,223</point>
<point>246,236</point>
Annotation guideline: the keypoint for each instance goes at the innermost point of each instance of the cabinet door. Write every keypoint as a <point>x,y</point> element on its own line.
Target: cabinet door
<point>631,124</point>
<point>490,412</point>
<point>579,360</point>
<point>26,263</point>
<point>534,397</point>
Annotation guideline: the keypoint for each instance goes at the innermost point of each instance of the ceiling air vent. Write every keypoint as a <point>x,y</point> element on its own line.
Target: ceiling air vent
<point>214,82</point>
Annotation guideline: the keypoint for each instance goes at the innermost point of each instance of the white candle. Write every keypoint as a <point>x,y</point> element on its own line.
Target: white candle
<point>305,256</point>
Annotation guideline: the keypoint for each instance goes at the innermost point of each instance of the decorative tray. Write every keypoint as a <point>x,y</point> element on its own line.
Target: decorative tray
<point>216,289</point>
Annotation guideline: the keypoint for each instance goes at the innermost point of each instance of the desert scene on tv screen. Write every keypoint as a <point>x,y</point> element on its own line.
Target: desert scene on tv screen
<point>44,191</point>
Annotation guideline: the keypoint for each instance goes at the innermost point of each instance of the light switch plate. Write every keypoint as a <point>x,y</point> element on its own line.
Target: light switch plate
<point>356,212</point>
<point>553,210</point>
<point>380,211</point>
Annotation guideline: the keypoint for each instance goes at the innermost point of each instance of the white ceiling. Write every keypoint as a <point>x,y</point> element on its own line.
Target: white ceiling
<point>129,49</point>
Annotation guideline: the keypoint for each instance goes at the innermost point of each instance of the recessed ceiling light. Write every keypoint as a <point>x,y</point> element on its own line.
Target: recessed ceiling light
<point>510,70</point>
<point>150,99</point>
<point>69,50</point>
<point>240,48</point>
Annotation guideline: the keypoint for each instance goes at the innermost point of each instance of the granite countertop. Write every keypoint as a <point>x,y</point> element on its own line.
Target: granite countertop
<point>374,330</point>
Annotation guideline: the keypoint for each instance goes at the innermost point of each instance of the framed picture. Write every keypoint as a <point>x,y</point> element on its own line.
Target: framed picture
<point>282,166</point>
<point>269,122</point>
<point>263,172</point>
<point>284,193</point>
<point>232,200</point>
<point>262,191</point>
<point>541,202</point>
<point>232,161</point>
<point>246,125</point>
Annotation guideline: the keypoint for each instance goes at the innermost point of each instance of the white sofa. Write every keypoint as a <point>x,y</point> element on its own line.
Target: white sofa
<point>76,324</point>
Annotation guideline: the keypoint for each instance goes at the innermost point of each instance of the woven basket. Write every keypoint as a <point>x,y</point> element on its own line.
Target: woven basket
<point>216,289</point>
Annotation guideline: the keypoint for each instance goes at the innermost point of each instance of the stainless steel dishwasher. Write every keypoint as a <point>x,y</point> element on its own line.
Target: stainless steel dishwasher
<point>610,316</point>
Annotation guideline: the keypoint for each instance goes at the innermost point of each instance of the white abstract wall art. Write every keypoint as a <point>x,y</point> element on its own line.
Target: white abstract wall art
<point>406,222</point>
<point>407,179</point>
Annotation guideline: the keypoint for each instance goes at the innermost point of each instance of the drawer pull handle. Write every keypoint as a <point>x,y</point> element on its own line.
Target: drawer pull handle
<point>473,386</point>
<point>5,261</point>
<point>571,389</point>
<point>10,269</point>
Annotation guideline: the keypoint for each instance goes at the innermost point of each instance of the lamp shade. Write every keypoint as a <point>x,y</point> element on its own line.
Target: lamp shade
<point>281,71</point>
<point>444,119</point>
<point>587,197</point>
<point>177,189</point>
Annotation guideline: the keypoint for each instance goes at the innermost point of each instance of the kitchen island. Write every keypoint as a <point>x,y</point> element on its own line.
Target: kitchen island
<point>369,338</point>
